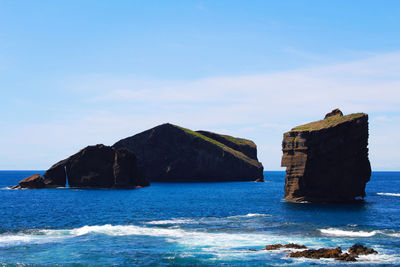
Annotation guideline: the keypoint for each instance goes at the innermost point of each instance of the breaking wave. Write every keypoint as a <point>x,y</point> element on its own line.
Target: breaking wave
<point>389,194</point>
<point>346,233</point>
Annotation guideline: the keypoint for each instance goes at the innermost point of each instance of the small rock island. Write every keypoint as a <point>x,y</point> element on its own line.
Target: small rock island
<point>327,160</point>
<point>170,153</point>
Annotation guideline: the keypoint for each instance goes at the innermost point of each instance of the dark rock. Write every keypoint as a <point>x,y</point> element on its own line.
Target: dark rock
<point>273,247</point>
<point>335,112</point>
<point>126,170</point>
<point>290,245</point>
<point>56,176</point>
<point>172,153</point>
<point>358,249</point>
<point>97,166</point>
<point>31,182</point>
<point>327,160</point>
<point>317,253</point>
<point>259,180</point>
<point>346,257</point>
<point>295,246</point>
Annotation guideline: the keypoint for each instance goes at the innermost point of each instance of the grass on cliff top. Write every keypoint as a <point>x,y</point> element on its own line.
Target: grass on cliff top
<point>238,141</point>
<point>327,123</point>
<point>235,140</point>
<point>236,153</point>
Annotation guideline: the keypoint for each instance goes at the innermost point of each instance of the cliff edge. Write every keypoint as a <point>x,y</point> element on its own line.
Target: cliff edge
<point>172,153</point>
<point>327,160</point>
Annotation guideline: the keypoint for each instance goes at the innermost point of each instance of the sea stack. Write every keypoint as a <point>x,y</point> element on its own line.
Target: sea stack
<point>170,153</point>
<point>327,160</point>
<point>96,166</point>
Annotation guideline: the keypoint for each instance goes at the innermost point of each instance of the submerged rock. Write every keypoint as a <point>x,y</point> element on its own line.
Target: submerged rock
<point>358,249</point>
<point>290,245</point>
<point>172,153</point>
<point>335,253</point>
<point>327,160</point>
<point>32,182</point>
<point>317,253</point>
<point>97,166</point>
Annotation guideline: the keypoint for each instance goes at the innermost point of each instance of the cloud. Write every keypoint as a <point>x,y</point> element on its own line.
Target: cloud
<point>260,107</point>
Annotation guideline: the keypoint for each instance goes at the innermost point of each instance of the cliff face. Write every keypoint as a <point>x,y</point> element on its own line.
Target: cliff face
<point>97,166</point>
<point>172,153</point>
<point>327,160</point>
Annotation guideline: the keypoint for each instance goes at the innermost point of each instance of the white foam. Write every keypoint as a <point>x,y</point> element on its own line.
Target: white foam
<point>249,215</point>
<point>345,233</point>
<point>389,194</point>
<point>173,221</point>
<point>198,239</point>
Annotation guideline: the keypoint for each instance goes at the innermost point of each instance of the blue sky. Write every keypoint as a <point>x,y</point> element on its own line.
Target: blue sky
<point>74,73</point>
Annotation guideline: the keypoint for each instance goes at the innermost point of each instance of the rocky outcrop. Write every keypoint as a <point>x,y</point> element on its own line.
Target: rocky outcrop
<point>317,253</point>
<point>358,249</point>
<point>327,160</point>
<point>172,153</point>
<point>96,166</point>
<point>335,253</point>
<point>32,182</point>
<point>279,246</point>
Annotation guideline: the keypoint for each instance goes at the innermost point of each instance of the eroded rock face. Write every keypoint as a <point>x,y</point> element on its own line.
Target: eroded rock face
<point>172,153</point>
<point>97,166</point>
<point>327,160</point>
<point>32,182</point>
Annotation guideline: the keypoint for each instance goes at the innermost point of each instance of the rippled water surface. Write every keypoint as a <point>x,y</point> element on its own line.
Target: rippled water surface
<point>190,224</point>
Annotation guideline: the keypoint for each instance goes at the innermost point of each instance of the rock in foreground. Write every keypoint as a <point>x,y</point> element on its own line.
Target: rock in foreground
<point>327,160</point>
<point>171,153</point>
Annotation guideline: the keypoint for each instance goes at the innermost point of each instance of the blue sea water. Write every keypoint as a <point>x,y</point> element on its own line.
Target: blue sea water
<point>192,224</point>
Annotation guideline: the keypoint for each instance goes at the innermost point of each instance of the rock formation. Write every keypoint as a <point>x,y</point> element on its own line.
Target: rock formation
<point>172,153</point>
<point>32,182</point>
<point>336,253</point>
<point>97,166</point>
<point>327,160</point>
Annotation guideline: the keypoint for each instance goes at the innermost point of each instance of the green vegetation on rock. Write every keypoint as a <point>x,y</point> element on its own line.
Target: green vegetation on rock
<point>236,153</point>
<point>328,122</point>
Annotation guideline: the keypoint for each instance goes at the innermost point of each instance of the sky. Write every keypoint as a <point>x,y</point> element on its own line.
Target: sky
<point>78,73</point>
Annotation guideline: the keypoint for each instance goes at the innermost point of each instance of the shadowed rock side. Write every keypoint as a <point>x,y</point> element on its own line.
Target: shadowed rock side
<point>97,166</point>
<point>327,160</point>
<point>172,153</point>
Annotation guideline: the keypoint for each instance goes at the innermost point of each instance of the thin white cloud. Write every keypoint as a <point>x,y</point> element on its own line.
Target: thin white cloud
<point>259,107</point>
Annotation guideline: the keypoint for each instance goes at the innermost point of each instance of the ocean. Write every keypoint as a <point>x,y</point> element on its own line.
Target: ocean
<point>191,224</point>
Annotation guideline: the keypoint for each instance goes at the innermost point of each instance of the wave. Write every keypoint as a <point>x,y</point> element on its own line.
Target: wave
<point>223,245</point>
<point>346,233</point>
<point>250,215</point>
<point>188,238</point>
<point>173,221</point>
<point>389,194</point>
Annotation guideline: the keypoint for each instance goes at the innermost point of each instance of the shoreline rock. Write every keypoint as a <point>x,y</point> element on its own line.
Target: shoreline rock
<point>327,160</point>
<point>327,253</point>
<point>35,181</point>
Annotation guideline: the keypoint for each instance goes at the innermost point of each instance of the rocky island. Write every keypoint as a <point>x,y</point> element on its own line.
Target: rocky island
<point>96,166</point>
<point>169,153</point>
<point>327,160</point>
<point>164,153</point>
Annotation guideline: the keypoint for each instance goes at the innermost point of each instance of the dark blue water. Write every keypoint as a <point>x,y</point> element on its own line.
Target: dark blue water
<point>190,224</point>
